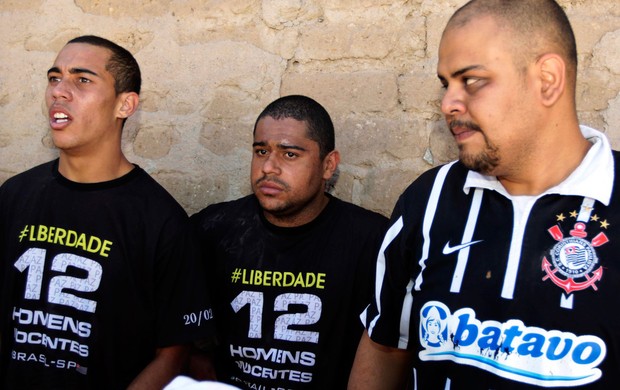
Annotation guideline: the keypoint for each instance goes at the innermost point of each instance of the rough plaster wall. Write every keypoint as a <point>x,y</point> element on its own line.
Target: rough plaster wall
<point>210,66</point>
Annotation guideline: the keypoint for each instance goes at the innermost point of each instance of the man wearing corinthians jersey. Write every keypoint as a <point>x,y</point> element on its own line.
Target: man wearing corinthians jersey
<point>96,261</point>
<point>291,266</point>
<point>501,270</point>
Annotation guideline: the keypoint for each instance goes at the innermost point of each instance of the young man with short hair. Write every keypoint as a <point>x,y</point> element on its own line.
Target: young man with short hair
<point>291,265</point>
<point>96,258</point>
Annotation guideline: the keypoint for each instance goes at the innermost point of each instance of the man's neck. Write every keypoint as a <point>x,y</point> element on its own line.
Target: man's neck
<point>93,170</point>
<point>307,215</point>
<point>549,169</point>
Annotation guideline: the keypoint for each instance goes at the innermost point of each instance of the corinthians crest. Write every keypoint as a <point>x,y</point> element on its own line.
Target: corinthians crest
<point>574,265</point>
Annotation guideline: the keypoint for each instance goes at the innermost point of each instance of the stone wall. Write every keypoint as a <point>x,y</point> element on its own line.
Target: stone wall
<point>210,66</point>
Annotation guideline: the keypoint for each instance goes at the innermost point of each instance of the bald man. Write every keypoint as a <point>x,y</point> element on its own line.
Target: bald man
<point>500,270</point>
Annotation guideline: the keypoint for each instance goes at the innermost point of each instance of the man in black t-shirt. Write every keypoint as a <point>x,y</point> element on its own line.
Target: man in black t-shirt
<point>500,270</point>
<point>96,258</point>
<point>290,265</point>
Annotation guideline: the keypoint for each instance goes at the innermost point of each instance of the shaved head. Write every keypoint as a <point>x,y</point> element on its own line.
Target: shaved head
<point>536,27</point>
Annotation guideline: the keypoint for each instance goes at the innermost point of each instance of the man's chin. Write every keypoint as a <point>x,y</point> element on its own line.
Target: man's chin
<point>482,164</point>
<point>272,205</point>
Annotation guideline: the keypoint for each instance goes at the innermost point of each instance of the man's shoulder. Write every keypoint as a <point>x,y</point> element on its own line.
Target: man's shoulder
<point>42,170</point>
<point>616,157</point>
<point>452,173</point>
<point>355,220</point>
<point>31,177</point>
<point>355,212</point>
<point>446,181</point>
<point>148,192</point>
<point>228,210</point>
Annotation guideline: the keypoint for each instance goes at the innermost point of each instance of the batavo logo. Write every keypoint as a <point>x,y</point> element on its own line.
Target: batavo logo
<point>549,358</point>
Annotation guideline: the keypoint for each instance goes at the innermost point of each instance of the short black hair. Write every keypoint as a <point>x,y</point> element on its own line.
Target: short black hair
<point>319,126</point>
<point>122,64</point>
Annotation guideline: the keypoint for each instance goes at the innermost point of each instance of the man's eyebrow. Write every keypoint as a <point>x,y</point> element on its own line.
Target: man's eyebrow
<point>295,147</point>
<point>55,69</point>
<point>461,71</point>
<point>279,146</point>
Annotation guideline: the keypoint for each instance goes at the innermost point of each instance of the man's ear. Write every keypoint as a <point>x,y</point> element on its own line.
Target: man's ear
<point>128,104</point>
<point>330,164</point>
<point>552,72</point>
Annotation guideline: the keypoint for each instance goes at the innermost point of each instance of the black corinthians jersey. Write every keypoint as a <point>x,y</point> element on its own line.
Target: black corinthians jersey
<point>491,291</point>
<point>94,278</point>
<point>288,299</point>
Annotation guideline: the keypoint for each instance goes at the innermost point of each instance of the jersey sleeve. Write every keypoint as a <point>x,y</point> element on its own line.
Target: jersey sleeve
<point>388,315</point>
<point>402,260</point>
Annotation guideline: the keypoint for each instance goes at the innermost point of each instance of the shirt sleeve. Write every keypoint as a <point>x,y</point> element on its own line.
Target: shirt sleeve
<point>387,318</point>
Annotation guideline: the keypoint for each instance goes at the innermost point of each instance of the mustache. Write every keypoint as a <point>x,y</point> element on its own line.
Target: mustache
<point>272,180</point>
<point>465,124</point>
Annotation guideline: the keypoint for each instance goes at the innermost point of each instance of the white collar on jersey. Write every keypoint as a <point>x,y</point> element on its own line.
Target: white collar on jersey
<point>593,178</point>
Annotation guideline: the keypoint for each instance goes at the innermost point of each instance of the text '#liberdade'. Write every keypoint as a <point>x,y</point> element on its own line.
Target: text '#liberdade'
<point>278,279</point>
<point>65,237</point>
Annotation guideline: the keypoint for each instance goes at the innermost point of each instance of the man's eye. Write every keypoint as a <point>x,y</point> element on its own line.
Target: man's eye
<point>471,80</point>
<point>291,155</point>
<point>260,152</point>
<point>53,79</point>
<point>84,80</point>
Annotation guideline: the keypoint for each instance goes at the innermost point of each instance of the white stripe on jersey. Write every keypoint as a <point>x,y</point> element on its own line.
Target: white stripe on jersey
<point>390,235</point>
<point>586,210</point>
<point>459,271</point>
<point>587,205</point>
<point>405,317</point>
<point>429,214</point>
<point>521,216</point>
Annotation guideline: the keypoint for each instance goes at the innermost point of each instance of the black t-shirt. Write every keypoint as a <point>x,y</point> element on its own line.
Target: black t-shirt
<point>487,298</point>
<point>288,299</point>
<point>94,278</point>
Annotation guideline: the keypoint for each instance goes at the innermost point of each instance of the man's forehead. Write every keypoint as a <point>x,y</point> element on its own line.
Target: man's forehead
<point>282,131</point>
<point>81,54</point>
<point>282,125</point>
<point>482,35</point>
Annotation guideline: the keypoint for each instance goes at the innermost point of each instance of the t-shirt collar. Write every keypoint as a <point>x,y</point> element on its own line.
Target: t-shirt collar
<point>593,178</point>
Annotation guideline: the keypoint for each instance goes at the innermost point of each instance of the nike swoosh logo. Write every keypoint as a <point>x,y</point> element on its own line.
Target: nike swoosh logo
<point>451,249</point>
